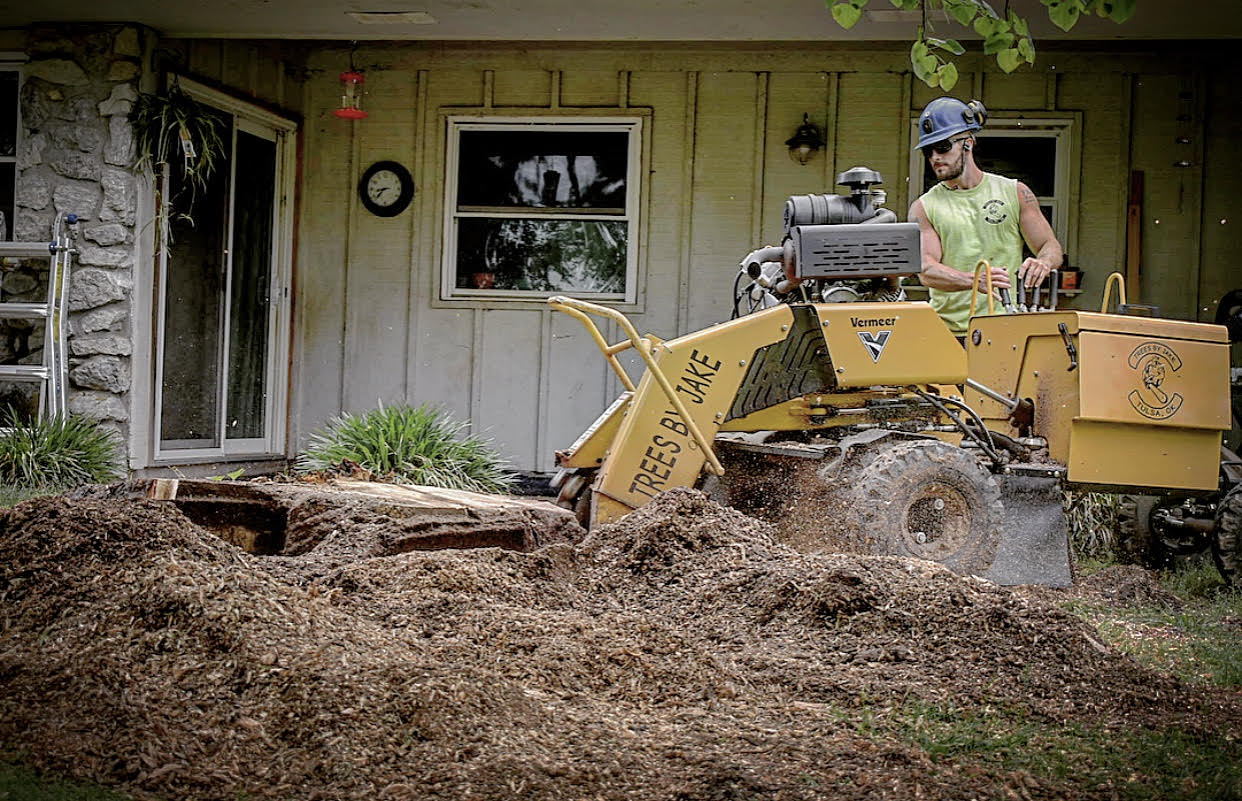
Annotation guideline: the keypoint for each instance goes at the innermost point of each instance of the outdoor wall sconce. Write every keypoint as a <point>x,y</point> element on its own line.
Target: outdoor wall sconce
<point>805,142</point>
<point>351,92</point>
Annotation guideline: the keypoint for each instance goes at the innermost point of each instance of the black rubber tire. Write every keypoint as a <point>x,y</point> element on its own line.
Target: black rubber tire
<point>579,503</point>
<point>929,500</point>
<point>1137,541</point>
<point>1227,537</point>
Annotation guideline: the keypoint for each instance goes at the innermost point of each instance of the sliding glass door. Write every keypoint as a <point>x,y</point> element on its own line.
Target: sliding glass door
<point>222,333</point>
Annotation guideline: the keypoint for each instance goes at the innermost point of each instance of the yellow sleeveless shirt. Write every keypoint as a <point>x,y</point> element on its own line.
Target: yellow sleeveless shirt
<point>973,224</point>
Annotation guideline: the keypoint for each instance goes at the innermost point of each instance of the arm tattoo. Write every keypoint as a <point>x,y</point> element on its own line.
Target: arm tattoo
<point>1027,196</point>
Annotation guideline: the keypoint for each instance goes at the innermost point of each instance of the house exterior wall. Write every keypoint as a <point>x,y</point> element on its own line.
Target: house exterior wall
<point>371,327</point>
<point>75,153</point>
<point>369,324</point>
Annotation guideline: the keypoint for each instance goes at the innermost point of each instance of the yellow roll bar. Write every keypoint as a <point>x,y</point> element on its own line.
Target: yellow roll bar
<point>987,266</point>
<point>1120,281</point>
<point>581,310</point>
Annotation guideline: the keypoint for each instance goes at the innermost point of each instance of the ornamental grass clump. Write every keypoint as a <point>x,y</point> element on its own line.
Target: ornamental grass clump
<point>407,445</point>
<point>56,453</point>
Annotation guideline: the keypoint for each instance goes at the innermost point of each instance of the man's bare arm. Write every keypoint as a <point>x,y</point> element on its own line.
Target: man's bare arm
<point>1039,238</point>
<point>935,273</point>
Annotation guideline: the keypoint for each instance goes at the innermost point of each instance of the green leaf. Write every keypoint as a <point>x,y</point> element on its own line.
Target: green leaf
<point>997,42</point>
<point>961,11</point>
<point>1008,59</point>
<point>949,45</point>
<point>907,5</point>
<point>1064,14</point>
<point>1119,10</point>
<point>1018,25</point>
<point>947,75</point>
<point>1026,49</point>
<point>924,64</point>
<point>846,15</point>
<point>987,26</point>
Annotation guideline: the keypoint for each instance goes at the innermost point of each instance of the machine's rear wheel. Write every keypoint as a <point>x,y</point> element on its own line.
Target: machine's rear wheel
<point>1226,544</point>
<point>1137,540</point>
<point>929,500</point>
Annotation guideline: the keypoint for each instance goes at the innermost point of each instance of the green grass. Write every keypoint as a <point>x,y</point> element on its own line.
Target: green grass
<point>1138,764</point>
<point>406,444</point>
<point>1201,642</point>
<point>19,783</point>
<point>11,496</point>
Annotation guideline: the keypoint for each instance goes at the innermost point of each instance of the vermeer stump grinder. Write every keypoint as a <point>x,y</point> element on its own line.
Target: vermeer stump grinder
<point>855,421</point>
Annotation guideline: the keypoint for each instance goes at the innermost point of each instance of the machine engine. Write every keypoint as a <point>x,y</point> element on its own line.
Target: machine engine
<point>836,248</point>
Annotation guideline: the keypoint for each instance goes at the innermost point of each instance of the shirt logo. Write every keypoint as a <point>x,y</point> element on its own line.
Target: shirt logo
<point>874,343</point>
<point>1152,363</point>
<point>994,211</point>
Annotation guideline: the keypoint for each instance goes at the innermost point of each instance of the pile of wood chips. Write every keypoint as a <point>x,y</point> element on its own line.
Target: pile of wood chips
<point>679,653</point>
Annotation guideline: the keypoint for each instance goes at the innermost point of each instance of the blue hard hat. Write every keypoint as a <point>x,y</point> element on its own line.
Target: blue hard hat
<point>948,116</point>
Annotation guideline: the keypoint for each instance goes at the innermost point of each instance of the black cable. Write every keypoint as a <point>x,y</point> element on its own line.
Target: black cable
<point>737,279</point>
<point>987,446</point>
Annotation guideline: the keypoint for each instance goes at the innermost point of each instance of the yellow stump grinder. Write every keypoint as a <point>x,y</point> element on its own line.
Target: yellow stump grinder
<point>855,421</point>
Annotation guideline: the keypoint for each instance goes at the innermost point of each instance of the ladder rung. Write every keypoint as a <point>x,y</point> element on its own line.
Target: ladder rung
<point>24,372</point>
<point>24,311</point>
<point>26,250</point>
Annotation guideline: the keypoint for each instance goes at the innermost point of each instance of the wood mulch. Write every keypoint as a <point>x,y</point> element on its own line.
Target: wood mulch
<point>678,653</point>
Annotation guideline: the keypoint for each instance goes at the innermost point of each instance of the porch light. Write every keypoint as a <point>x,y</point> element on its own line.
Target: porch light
<point>805,142</point>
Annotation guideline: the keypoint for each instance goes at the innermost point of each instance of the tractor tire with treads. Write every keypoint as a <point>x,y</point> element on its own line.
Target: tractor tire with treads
<point>929,500</point>
<point>1137,541</point>
<point>1227,537</point>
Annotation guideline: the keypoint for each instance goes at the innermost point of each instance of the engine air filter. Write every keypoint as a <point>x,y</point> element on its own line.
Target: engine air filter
<point>843,252</point>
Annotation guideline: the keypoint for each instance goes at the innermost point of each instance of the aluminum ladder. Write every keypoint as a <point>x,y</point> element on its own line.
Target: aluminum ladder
<point>53,373</point>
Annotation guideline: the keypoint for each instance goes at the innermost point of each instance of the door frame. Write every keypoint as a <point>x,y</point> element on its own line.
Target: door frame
<point>253,119</point>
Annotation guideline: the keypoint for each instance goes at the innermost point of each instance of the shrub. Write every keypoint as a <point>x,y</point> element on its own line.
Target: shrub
<point>56,453</point>
<point>407,445</point>
<point>1092,521</point>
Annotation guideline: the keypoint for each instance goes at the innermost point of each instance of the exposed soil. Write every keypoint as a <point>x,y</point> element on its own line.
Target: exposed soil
<point>678,653</point>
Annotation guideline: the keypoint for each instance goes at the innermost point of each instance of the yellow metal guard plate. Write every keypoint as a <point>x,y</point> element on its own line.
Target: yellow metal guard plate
<point>1156,382</point>
<point>890,343</point>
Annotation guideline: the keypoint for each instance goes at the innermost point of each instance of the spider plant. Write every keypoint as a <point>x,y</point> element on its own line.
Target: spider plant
<point>173,129</point>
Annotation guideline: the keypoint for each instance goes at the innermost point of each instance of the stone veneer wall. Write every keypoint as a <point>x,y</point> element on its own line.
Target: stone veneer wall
<point>76,157</point>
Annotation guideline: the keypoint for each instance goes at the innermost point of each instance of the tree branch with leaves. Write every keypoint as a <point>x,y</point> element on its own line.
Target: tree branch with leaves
<point>1005,35</point>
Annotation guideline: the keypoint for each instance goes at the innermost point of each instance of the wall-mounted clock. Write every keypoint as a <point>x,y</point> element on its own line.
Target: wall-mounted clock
<point>386,188</point>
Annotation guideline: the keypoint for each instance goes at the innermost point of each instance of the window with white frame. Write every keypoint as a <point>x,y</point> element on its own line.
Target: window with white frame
<point>9,127</point>
<point>1037,151</point>
<point>538,206</point>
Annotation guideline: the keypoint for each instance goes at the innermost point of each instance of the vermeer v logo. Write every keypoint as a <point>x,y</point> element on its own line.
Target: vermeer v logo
<point>874,343</point>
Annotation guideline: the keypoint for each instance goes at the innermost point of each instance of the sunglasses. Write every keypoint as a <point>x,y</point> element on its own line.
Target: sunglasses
<point>942,147</point>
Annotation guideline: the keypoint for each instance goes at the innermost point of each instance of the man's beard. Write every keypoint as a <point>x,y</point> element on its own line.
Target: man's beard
<point>955,169</point>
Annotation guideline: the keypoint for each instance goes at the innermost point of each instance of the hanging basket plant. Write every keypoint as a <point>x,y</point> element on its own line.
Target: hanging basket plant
<point>172,130</point>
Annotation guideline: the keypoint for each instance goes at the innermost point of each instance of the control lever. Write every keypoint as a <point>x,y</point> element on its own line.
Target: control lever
<point>1069,347</point>
<point>1007,302</point>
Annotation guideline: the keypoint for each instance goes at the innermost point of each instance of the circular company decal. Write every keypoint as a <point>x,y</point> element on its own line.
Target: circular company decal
<point>994,211</point>
<point>1153,363</point>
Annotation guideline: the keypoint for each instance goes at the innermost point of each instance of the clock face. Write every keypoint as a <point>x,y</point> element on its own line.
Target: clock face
<point>386,188</point>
